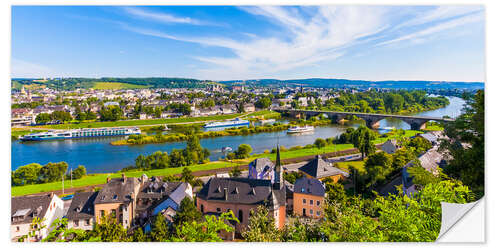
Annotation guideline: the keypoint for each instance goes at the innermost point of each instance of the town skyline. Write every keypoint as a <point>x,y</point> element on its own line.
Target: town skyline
<point>435,43</point>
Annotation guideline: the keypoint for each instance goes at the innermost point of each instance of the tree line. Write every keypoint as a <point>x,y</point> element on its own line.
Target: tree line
<point>35,173</point>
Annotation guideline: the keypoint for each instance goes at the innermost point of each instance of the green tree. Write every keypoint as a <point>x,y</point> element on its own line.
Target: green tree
<point>110,113</point>
<point>139,236</point>
<point>466,145</point>
<point>108,230</point>
<point>243,151</point>
<point>206,231</point>
<point>187,175</point>
<point>378,167</point>
<point>60,116</point>
<point>160,231</point>
<point>43,118</point>
<point>362,139</point>
<point>320,143</point>
<point>28,174</point>
<point>187,212</point>
<point>79,172</point>
<point>263,103</point>
<point>235,172</point>
<point>261,227</point>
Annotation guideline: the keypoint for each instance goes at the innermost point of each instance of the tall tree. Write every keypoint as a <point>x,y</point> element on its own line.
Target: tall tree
<point>466,144</point>
<point>261,227</point>
<point>362,139</point>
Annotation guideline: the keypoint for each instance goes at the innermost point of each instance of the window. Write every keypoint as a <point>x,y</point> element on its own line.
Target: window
<point>202,209</point>
<point>87,222</point>
<point>317,203</point>
<point>113,213</point>
<point>17,229</point>
<point>311,212</point>
<point>303,212</point>
<point>311,202</point>
<point>318,213</point>
<point>218,209</point>
<point>75,222</point>
<point>304,201</point>
<point>240,216</point>
<point>102,213</point>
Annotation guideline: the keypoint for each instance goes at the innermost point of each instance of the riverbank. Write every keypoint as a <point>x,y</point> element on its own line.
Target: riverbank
<point>286,155</point>
<point>153,122</point>
<point>163,138</point>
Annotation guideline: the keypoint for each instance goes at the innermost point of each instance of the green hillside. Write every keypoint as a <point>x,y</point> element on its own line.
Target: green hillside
<point>118,85</point>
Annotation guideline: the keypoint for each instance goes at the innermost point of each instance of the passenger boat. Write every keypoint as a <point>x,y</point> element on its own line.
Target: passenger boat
<point>298,129</point>
<point>231,123</point>
<point>81,133</point>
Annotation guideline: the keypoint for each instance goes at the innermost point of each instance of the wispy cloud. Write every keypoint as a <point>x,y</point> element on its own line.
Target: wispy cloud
<point>311,35</point>
<point>163,17</point>
<point>440,27</point>
<point>20,68</point>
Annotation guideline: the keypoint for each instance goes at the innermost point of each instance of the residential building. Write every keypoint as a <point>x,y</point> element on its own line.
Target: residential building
<point>242,195</point>
<point>261,168</point>
<point>390,146</point>
<point>308,197</point>
<point>25,208</point>
<point>117,199</point>
<point>81,211</point>
<point>320,169</point>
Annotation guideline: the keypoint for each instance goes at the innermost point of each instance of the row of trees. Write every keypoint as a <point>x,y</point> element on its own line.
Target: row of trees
<point>194,153</point>
<point>396,218</point>
<point>35,173</point>
<point>396,101</point>
<point>61,116</point>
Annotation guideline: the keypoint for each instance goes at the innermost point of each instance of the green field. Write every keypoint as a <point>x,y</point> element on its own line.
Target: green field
<point>118,85</point>
<point>140,122</point>
<point>359,165</point>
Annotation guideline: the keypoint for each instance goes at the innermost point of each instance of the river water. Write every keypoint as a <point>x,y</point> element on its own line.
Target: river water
<point>99,156</point>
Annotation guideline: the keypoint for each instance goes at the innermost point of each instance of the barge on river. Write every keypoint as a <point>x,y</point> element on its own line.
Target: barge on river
<point>231,123</point>
<point>81,133</point>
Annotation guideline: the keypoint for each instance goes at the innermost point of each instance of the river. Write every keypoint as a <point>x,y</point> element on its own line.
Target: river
<point>99,156</point>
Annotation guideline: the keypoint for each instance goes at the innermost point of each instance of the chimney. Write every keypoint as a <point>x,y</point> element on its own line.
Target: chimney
<point>108,179</point>
<point>124,178</point>
<point>225,194</point>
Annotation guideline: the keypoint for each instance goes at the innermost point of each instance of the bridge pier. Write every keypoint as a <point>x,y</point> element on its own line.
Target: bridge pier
<point>418,126</point>
<point>372,122</point>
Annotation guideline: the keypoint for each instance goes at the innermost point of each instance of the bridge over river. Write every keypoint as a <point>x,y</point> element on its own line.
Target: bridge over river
<point>372,120</point>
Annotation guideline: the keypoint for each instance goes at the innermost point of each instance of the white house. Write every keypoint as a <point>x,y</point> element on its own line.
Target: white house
<point>25,208</point>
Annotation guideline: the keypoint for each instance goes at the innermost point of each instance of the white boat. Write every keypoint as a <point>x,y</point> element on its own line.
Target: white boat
<point>231,123</point>
<point>81,133</point>
<point>299,129</point>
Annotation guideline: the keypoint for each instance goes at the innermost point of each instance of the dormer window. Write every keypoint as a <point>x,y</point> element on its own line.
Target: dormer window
<point>115,197</point>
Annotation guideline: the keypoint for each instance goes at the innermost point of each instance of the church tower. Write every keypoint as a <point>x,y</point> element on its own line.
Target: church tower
<point>278,171</point>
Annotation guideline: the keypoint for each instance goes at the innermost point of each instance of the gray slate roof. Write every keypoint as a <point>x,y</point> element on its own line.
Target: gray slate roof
<point>82,206</point>
<point>117,190</point>
<point>319,168</point>
<point>25,208</point>
<point>310,186</point>
<point>261,163</point>
<point>241,191</point>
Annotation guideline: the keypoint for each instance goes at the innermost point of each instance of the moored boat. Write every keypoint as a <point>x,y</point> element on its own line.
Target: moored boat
<point>299,129</point>
<point>80,133</point>
<point>231,123</point>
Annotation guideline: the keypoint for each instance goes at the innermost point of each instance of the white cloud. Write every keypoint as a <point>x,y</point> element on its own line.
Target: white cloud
<point>318,34</point>
<point>20,69</point>
<point>162,17</point>
<point>425,33</point>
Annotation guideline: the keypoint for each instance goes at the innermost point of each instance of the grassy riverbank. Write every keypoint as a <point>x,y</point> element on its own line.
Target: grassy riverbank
<point>126,123</point>
<point>96,179</point>
<point>160,138</point>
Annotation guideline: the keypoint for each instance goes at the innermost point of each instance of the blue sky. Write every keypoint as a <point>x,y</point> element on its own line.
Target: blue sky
<point>442,43</point>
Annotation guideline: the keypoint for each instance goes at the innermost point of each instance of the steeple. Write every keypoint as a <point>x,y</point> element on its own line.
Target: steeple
<point>278,173</point>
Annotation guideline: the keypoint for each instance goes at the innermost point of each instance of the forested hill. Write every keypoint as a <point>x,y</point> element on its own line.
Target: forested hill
<point>163,82</point>
<point>111,83</point>
<point>342,83</point>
